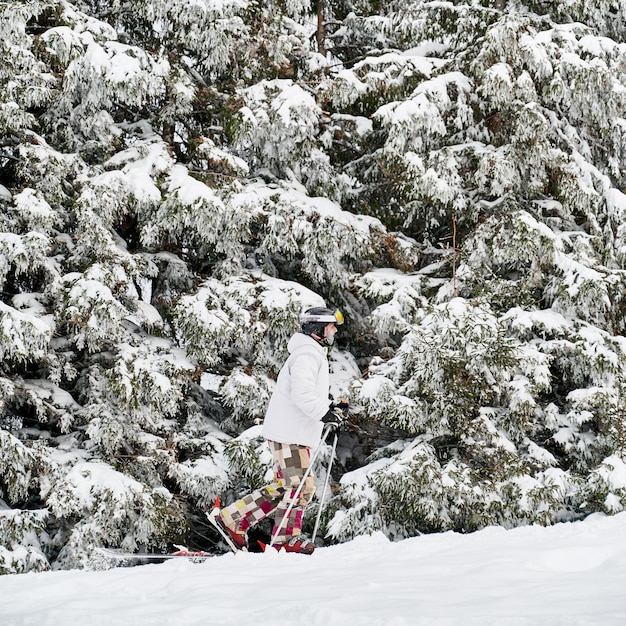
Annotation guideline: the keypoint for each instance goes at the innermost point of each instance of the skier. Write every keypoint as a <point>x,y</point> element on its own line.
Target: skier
<point>293,425</point>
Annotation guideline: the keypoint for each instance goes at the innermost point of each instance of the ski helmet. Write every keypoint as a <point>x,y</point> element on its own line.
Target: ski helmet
<point>314,320</point>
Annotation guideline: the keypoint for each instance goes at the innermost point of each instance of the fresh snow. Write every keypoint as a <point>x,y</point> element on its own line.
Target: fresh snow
<point>569,574</point>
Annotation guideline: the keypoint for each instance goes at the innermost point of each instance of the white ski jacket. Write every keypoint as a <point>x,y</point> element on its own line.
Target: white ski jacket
<point>300,398</point>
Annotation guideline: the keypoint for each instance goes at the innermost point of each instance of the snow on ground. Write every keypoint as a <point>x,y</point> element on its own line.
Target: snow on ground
<point>565,575</point>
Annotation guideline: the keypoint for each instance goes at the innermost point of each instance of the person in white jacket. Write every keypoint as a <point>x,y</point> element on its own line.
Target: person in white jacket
<point>293,425</point>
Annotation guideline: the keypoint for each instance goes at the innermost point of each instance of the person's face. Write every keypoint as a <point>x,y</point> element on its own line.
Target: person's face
<point>329,332</point>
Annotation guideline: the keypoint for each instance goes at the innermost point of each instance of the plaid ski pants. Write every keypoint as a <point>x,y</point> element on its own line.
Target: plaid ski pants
<point>290,463</point>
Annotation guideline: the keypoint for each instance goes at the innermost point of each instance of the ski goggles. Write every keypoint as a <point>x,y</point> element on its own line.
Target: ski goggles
<point>335,318</point>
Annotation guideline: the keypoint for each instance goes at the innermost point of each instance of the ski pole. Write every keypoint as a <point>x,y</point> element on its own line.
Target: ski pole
<point>321,500</point>
<point>296,495</point>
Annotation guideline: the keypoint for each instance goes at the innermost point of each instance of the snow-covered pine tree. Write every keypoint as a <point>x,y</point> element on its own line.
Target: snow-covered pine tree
<point>505,155</point>
<point>150,275</point>
<point>179,179</point>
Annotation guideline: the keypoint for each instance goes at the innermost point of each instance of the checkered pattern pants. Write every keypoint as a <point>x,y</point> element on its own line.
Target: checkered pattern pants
<point>290,463</point>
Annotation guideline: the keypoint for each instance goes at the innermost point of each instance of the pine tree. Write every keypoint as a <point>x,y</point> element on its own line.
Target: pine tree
<point>143,254</point>
<point>178,180</point>
<point>500,147</point>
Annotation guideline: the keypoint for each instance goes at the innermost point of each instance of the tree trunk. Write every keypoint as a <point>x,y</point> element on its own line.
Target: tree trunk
<point>321,28</point>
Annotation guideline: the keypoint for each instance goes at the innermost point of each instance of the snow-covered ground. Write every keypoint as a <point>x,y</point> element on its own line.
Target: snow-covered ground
<point>569,574</point>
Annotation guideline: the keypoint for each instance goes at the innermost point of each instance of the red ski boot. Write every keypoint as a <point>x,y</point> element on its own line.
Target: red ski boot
<point>239,539</point>
<point>297,544</point>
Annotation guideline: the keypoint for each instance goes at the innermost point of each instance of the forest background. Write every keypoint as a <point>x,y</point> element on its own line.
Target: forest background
<point>179,179</point>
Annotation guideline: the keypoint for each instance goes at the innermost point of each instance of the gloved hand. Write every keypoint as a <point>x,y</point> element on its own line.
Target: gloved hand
<point>333,419</point>
<point>343,406</point>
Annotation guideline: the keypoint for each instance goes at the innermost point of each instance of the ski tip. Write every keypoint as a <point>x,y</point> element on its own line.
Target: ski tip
<point>262,545</point>
<point>185,551</point>
<point>212,510</point>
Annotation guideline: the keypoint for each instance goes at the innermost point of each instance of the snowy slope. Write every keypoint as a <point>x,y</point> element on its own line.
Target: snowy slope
<point>569,574</point>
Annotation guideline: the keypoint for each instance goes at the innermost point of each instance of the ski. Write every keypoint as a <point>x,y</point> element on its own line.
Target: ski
<point>182,553</point>
<point>211,515</point>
